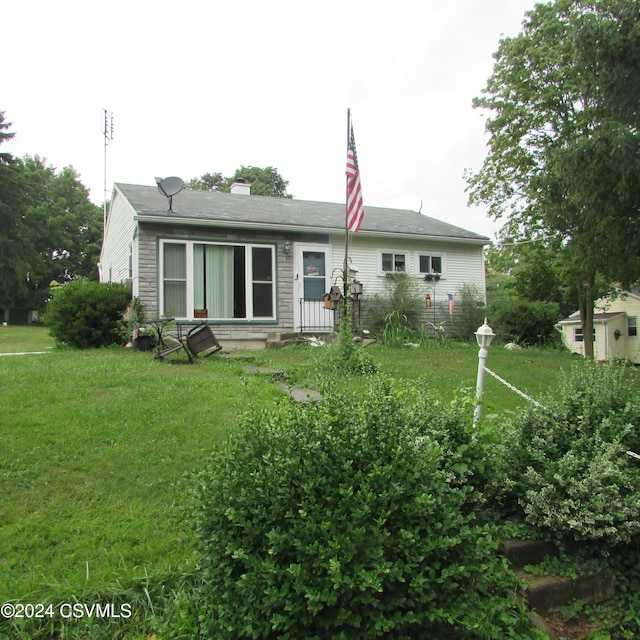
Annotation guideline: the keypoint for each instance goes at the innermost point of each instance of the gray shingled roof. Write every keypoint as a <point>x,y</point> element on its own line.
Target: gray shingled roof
<point>242,210</point>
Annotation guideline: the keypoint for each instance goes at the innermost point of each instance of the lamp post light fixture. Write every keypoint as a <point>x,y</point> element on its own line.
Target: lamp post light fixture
<point>484,337</point>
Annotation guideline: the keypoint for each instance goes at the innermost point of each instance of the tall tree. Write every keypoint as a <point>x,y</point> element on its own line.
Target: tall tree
<point>13,250</point>
<point>65,228</point>
<point>49,229</point>
<point>564,147</point>
<point>264,181</point>
<point>207,182</point>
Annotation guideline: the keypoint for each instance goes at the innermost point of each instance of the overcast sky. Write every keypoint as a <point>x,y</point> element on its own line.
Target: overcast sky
<point>203,86</point>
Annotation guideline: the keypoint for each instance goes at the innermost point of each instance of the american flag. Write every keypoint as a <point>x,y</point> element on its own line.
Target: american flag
<point>355,206</point>
<point>452,302</point>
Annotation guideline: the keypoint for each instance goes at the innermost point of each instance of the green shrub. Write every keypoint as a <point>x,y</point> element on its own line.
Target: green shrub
<point>471,316</point>
<point>567,467</point>
<point>348,519</point>
<point>87,314</point>
<point>395,315</point>
<point>346,356</point>
<point>529,322</point>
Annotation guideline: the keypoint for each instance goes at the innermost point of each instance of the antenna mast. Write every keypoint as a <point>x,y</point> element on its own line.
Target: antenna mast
<point>108,136</point>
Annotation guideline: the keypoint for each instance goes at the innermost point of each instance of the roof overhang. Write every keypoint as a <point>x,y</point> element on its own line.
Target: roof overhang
<point>232,224</point>
<point>596,320</point>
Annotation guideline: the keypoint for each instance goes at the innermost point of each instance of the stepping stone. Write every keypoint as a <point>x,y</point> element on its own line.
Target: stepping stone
<point>302,395</point>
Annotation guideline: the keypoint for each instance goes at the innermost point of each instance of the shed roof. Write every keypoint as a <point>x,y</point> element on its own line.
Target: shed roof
<point>234,210</point>
<point>574,318</point>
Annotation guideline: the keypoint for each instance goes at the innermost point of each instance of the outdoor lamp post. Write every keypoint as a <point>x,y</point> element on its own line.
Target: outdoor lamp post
<point>484,336</point>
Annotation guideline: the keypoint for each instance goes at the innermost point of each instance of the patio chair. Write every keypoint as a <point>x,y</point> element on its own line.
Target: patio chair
<point>199,339</point>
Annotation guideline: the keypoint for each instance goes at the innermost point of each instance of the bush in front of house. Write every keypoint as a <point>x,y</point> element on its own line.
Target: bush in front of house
<point>349,519</point>
<point>395,316</point>
<point>87,314</point>
<point>566,467</point>
<point>527,322</point>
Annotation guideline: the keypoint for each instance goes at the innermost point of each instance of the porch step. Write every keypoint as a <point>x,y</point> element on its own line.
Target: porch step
<point>546,593</point>
<point>550,593</point>
<point>277,340</point>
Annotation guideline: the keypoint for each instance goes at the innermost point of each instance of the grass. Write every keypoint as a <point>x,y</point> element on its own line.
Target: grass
<point>443,368</point>
<point>94,447</point>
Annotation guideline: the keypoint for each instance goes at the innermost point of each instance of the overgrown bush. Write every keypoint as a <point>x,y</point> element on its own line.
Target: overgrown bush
<point>350,519</point>
<point>566,466</point>
<point>346,356</point>
<point>395,315</point>
<point>528,322</point>
<point>87,314</point>
<point>471,315</point>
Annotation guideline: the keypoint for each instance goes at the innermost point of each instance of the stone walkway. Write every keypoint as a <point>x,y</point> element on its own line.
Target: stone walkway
<point>297,394</point>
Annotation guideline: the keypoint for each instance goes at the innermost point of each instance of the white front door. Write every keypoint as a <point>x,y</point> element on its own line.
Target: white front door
<point>312,279</point>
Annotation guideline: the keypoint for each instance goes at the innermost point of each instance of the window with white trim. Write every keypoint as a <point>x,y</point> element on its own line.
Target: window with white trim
<point>392,262</point>
<point>578,335</point>
<point>632,326</point>
<point>217,281</point>
<point>430,264</point>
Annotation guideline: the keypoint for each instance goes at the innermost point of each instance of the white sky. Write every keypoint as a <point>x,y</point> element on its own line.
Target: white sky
<point>200,86</point>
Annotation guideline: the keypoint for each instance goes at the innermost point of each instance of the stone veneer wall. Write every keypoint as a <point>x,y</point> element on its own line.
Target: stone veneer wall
<point>148,261</point>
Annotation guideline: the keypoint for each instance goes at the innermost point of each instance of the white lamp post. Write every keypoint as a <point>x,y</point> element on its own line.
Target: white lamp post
<point>484,336</point>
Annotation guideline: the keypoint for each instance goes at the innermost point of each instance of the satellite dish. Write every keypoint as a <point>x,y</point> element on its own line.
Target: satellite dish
<point>169,187</point>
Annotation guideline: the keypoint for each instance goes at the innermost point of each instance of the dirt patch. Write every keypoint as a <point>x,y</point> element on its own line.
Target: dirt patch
<point>575,629</point>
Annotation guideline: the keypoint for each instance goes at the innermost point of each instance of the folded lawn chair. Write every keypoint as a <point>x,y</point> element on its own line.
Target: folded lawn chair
<point>199,339</point>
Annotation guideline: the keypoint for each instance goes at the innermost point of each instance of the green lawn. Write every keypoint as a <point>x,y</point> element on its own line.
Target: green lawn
<point>94,446</point>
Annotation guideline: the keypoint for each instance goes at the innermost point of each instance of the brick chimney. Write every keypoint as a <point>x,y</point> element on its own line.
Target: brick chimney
<point>241,187</point>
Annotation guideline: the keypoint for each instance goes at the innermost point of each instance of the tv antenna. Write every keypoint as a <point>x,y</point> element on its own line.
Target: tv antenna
<point>108,136</point>
<point>169,187</point>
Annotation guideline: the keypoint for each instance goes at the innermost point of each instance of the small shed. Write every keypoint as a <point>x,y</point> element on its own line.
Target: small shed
<point>615,328</point>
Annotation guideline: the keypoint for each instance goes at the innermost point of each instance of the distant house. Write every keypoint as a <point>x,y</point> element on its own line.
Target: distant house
<point>615,328</point>
<point>254,265</point>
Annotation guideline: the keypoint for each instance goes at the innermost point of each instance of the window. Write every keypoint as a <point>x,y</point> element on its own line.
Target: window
<point>313,275</point>
<point>430,264</point>
<point>578,336</point>
<point>174,280</point>
<point>632,326</point>
<point>218,281</point>
<point>392,262</point>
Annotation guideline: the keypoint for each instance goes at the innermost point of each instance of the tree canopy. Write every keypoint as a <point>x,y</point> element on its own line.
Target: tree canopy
<point>49,229</point>
<point>564,146</point>
<point>264,181</point>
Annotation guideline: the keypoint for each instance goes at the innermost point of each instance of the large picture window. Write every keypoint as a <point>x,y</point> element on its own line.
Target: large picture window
<point>217,281</point>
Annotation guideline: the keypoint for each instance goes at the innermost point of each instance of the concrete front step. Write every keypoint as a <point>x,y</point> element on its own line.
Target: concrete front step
<point>277,340</point>
<point>544,593</point>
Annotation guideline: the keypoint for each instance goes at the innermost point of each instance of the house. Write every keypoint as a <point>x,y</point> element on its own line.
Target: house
<point>615,328</point>
<point>255,265</point>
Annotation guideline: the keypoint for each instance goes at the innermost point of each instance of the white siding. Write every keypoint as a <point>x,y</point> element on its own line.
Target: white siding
<point>462,263</point>
<point>607,346</point>
<point>629,304</point>
<point>119,242</point>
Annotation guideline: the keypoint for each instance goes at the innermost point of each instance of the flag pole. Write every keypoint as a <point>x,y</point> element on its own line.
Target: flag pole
<point>345,272</point>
